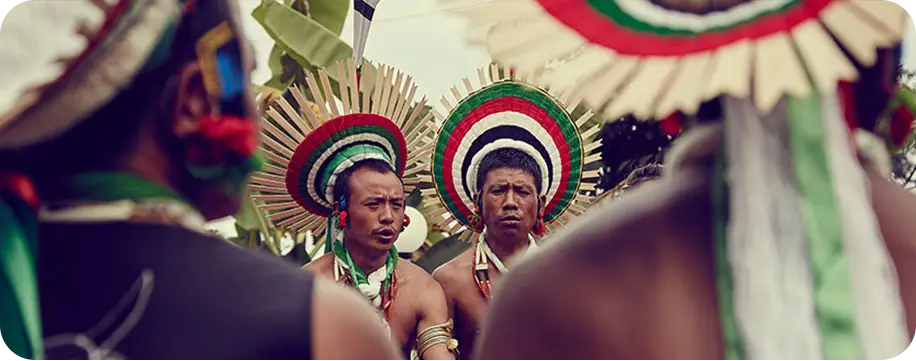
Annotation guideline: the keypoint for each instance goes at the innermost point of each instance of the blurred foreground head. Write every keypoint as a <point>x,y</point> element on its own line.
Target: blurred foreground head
<point>115,100</point>
<point>771,95</point>
<point>156,90</point>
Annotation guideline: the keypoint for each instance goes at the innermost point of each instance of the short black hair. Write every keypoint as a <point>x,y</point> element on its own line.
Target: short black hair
<point>342,184</point>
<point>508,158</point>
<point>644,174</point>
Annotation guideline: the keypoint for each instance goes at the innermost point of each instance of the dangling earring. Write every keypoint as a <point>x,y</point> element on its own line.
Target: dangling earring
<point>406,223</point>
<point>342,220</point>
<point>474,221</point>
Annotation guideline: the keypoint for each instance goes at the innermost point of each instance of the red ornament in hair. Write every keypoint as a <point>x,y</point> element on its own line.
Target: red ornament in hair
<point>222,136</point>
<point>20,186</point>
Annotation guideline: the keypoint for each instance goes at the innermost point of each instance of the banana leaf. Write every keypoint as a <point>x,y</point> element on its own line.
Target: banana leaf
<point>330,13</point>
<point>302,38</point>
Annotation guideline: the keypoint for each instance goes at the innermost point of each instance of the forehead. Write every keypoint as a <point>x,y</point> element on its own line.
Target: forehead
<point>509,175</point>
<point>367,182</point>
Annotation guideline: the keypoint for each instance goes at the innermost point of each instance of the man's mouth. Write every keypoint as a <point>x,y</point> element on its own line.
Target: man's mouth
<point>510,221</point>
<point>386,235</point>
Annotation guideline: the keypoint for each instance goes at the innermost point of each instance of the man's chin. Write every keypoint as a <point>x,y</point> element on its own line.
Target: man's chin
<point>510,232</point>
<point>383,245</point>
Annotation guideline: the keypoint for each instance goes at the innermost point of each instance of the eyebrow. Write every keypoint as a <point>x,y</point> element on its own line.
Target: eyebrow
<point>382,199</point>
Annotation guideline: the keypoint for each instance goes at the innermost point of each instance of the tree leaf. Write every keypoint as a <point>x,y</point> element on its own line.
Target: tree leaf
<point>303,39</point>
<point>247,218</point>
<point>330,13</point>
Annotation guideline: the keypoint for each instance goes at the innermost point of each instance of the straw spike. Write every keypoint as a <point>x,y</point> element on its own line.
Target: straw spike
<point>274,169</point>
<point>354,87</point>
<point>284,139</point>
<point>319,99</point>
<point>280,206</point>
<point>292,114</point>
<point>381,76</point>
<point>274,157</point>
<point>386,94</point>
<point>342,87</point>
<point>400,118</point>
<point>272,197</point>
<point>313,121</point>
<point>457,94</point>
<point>329,94</point>
<point>277,147</point>
<point>406,92</point>
<point>260,188</point>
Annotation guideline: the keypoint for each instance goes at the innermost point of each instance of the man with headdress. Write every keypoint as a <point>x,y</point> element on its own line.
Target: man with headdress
<point>766,237</point>
<point>134,121</point>
<point>508,164</point>
<point>346,177</point>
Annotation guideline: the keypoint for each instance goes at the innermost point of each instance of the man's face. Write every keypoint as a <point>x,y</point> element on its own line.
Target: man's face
<point>509,203</point>
<point>375,209</point>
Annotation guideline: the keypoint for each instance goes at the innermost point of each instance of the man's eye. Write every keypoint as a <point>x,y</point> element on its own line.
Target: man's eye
<point>372,205</point>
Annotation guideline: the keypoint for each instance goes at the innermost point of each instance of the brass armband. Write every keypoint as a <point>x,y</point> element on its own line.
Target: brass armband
<point>435,335</point>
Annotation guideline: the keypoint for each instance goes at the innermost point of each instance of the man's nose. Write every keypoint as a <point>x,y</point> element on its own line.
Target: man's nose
<point>387,215</point>
<point>511,202</point>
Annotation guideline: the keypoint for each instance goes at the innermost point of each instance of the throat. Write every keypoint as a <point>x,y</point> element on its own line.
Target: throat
<point>506,248</point>
<point>368,260</point>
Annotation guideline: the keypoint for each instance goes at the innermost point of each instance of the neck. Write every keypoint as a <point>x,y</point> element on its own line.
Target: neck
<point>368,260</point>
<point>506,247</point>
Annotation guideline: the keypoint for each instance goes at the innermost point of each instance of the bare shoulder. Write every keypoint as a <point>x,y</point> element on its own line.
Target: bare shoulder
<point>454,272</point>
<point>322,266</point>
<point>340,314</point>
<point>417,276</point>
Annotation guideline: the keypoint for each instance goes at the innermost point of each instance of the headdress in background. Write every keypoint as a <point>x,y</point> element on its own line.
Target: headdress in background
<point>497,111</point>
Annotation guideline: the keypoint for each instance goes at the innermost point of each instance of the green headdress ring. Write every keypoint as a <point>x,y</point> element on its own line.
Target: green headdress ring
<point>502,112</point>
<point>308,148</point>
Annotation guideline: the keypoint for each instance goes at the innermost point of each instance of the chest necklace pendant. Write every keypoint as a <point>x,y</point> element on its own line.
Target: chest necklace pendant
<point>385,297</point>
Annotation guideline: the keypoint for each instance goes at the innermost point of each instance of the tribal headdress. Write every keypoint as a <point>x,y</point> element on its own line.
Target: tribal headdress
<point>65,62</point>
<point>308,148</point>
<point>502,112</point>
<point>803,269</point>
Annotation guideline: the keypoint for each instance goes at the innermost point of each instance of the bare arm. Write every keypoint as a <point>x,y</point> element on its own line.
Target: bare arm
<point>441,277</point>
<point>435,311</point>
<point>345,326</point>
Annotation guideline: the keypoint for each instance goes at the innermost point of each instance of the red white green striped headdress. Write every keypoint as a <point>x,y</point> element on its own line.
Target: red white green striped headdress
<point>309,148</point>
<point>803,269</point>
<point>501,112</point>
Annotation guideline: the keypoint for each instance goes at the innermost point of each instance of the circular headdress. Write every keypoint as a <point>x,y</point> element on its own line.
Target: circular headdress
<point>652,58</point>
<point>509,113</point>
<point>308,148</point>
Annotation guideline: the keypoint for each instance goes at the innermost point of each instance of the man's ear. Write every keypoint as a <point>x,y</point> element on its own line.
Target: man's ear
<point>542,203</point>
<point>192,102</point>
